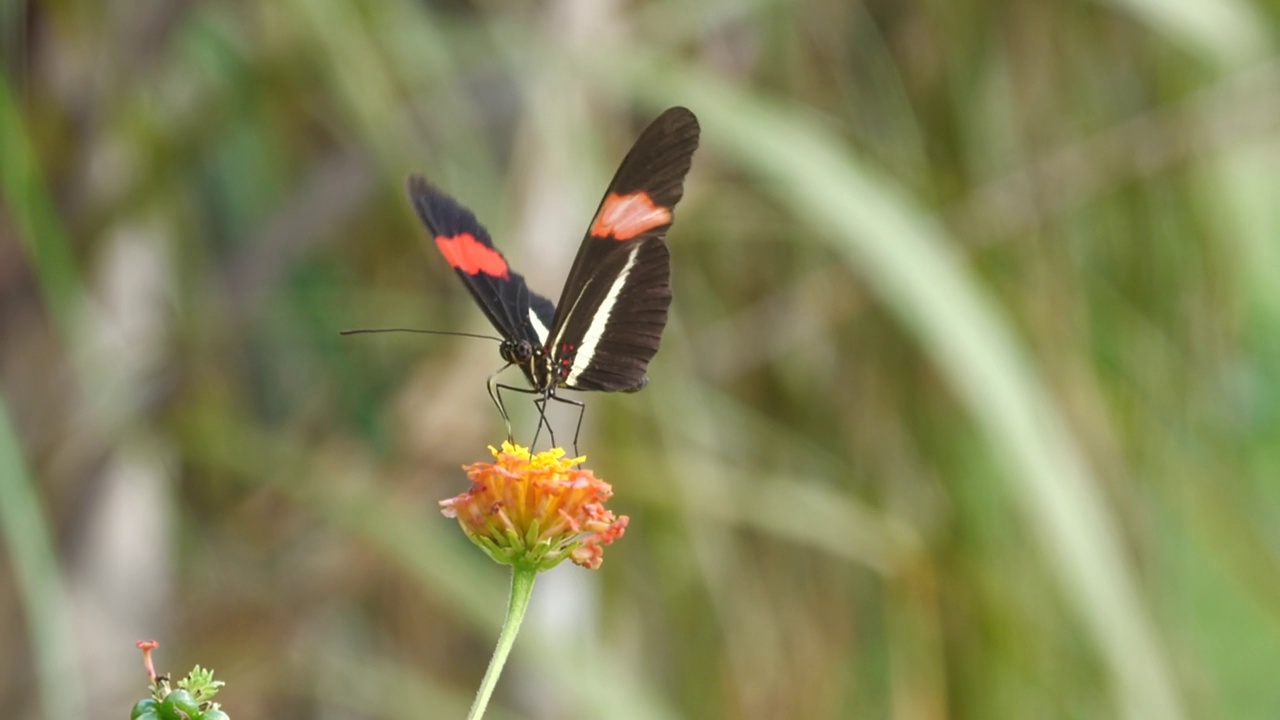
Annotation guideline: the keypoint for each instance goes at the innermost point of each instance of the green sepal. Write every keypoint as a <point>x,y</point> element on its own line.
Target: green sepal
<point>147,709</point>
<point>181,701</point>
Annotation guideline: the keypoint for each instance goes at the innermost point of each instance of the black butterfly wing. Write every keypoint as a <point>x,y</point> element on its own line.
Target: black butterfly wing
<point>611,314</point>
<point>516,311</point>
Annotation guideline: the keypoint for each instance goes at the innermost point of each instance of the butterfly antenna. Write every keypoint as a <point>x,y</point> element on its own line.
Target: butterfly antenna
<point>366,331</point>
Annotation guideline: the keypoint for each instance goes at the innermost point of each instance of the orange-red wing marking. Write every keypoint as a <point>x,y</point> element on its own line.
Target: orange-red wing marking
<point>626,216</point>
<point>463,252</point>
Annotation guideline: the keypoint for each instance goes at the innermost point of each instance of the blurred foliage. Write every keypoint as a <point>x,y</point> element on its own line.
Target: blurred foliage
<point>969,405</point>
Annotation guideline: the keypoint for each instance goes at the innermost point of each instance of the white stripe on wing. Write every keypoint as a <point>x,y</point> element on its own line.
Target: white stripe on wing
<point>542,331</point>
<point>600,322</point>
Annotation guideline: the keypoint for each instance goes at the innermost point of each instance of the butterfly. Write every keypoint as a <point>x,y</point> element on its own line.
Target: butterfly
<point>608,322</point>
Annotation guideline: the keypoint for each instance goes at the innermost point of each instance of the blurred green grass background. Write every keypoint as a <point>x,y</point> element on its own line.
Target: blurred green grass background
<point>969,405</point>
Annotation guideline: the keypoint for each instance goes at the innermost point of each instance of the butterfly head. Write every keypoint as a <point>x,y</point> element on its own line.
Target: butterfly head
<point>518,352</point>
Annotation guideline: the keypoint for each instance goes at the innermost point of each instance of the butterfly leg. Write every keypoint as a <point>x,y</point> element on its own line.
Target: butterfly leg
<point>495,393</point>
<point>543,421</point>
<point>541,404</point>
<point>582,411</point>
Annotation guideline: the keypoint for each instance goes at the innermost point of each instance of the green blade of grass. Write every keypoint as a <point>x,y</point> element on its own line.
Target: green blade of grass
<point>21,519</point>
<point>1223,31</point>
<point>39,582</point>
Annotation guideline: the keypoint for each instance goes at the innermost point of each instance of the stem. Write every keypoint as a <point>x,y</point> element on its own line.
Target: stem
<point>521,589</point>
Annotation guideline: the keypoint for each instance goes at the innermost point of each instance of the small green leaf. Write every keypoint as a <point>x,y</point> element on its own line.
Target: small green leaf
<point>200,683</point>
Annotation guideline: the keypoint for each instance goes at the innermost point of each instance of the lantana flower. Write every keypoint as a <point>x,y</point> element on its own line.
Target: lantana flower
<point>532,511</point>
<point>536,509</point>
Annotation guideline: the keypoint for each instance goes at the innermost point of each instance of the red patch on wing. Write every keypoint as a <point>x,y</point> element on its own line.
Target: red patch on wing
<point>471,256</point>
<point>626,216</point>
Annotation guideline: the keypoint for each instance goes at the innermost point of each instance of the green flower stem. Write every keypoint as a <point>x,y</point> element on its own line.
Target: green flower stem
<point>522,576</point>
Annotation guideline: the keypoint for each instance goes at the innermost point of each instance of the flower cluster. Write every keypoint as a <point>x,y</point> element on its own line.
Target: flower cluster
<point>536,509</point>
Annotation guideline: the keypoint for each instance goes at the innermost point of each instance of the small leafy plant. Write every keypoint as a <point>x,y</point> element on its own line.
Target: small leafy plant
<point>190,699</point>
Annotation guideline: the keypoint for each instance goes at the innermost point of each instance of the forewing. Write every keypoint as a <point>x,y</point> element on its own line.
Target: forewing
<point>516,311</point>
<point>611,314</point>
